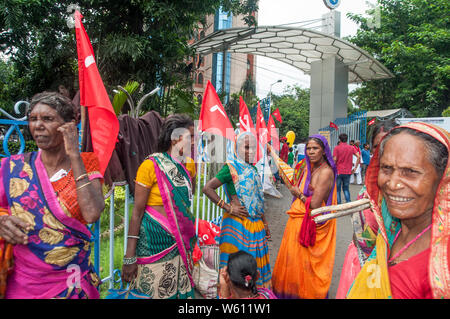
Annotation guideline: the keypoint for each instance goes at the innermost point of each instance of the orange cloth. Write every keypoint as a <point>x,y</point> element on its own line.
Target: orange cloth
<point>146,177</point>
<point>6,259</point>
<point>302,272</point>
<point>65,187</point>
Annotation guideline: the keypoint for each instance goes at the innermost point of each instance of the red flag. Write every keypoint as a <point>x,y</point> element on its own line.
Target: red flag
<point>245,119</point>
<point>277,115</point>
<point>273,133</point>
<point>102,119</point>
<point>213,117</point>
<point>261,131</point>
<point>334,126</point>
<point>372,121</point>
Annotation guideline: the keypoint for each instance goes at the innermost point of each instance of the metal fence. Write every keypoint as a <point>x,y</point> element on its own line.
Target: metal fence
<point>354,126</point>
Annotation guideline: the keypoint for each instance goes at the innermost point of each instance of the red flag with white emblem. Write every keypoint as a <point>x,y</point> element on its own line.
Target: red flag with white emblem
<point>245,121</point>
<point>103,122</point>
<point>277,115</point>
<point>213,118</point>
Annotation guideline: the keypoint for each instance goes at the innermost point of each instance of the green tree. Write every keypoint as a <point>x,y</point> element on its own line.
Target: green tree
<point>294,110</point>
<point>412,41</point>
<point>140,40</point>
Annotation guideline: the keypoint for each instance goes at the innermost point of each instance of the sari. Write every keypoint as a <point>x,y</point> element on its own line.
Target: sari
<point>305,271</point>
<point>166,243</point>
<point>56,261</point>
<point>247,234</point>
<point>373,281</point>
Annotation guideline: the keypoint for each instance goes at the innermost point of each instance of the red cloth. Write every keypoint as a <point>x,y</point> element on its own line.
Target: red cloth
<point>308,229</point>
<point>207,232</point>
<point>245,120</point>
<point>409,278</point>
<point>213,118</point>
<point>277,115</point>
<point>284,153</point>
<point>103,122</point>
<point>344,157</point>
<point>273,134</point>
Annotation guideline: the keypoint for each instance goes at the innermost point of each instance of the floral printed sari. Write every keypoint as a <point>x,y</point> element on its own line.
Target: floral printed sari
<point>56,261</point>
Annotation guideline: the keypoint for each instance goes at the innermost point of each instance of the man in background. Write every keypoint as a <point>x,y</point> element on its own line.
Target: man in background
<point>343,157</point>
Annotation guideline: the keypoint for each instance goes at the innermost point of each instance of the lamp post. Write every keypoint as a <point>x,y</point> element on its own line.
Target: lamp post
<point>270,94</point>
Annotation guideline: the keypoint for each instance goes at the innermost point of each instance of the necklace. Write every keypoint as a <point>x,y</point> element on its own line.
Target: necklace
<point>318,168</point>
<point>407,245</point>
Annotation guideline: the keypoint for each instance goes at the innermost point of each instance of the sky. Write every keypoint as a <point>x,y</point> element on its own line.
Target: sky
<point>275,12</point>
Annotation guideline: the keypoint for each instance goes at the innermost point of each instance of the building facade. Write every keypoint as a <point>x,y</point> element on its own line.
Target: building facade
<point>238,66</point>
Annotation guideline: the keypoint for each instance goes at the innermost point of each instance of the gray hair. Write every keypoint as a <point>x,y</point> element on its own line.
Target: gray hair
<point>62,104</point>
<point>437,152</point>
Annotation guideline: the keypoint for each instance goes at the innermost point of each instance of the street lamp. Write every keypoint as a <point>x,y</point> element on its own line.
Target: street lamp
<point>270,93</point>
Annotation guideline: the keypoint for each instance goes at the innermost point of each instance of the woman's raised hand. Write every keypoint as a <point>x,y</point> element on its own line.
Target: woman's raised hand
<point>70,135</point>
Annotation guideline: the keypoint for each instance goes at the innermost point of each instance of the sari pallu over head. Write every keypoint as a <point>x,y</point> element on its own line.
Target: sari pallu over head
<point>174,183</point>
<point>308,229</point>
<point>246,179</point>
<point>58,245</point>
<point>373,280</point>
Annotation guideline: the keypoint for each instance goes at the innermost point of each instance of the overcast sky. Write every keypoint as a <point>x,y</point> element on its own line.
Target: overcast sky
<point>275,12</point>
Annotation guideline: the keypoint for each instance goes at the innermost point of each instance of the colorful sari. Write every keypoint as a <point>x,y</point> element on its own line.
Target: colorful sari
<point>247,234</point>
<point>300,271</point>
<point>373,281</point>
<point>166,244</point>
<point>56,261</point>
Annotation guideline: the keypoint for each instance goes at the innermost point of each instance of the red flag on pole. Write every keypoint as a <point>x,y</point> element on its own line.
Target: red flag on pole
<point>277,115</point>
<point>103,122</point>
<point>372,121</point>
<point>261,131</point>
<point>334,126</point>
<point>245,119</point>
<point>213,118</point>
<point>273,133</point>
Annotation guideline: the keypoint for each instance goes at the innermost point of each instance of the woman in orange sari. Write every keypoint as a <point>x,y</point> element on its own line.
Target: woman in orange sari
<point>408,183</point>
<point>304,264</point>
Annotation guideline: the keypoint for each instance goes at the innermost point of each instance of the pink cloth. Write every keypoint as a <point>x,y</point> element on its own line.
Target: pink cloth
<point>344,157</point>
<point>409,278</point>
<point>350,269</point>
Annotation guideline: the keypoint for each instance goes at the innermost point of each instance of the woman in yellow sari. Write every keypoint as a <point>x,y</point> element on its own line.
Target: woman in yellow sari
<point>304,264</point>
<point>408,183</point>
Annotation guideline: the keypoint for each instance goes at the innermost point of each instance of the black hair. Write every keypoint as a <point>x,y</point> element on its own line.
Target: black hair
<point>171,123</point>
<point>62,104</point>
<point>290,149</point>
<point>437,152</point>
<point>382,126</point>
<point>343,137</point>
<point>240,265</point>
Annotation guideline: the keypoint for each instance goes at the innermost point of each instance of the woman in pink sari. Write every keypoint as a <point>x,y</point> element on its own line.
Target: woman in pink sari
<point>50,196</point>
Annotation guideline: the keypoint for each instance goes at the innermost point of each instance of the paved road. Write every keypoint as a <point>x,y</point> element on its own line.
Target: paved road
<point>276,218</point>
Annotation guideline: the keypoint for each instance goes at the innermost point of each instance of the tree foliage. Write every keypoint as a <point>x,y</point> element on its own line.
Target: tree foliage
<point>413,42</point>
<point>138,40</point>
<point>294,110</point>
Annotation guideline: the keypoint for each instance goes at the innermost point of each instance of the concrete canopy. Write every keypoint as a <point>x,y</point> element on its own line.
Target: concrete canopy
<point>295,46</point>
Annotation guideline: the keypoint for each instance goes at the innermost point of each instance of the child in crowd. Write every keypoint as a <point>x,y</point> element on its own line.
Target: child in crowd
<point>238,279</point>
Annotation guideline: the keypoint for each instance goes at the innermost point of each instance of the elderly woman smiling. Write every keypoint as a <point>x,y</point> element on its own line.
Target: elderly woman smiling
<point>408,184</point>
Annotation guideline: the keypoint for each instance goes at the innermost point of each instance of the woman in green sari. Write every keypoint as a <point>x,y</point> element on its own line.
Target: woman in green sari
<point>161,237</point>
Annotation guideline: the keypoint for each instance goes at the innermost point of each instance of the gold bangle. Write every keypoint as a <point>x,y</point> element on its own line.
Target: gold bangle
<point>85,184</point>
<point>220,203</point>
<point>79,178</point>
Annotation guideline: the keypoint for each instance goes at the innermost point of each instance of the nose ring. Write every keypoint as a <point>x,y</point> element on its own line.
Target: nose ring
<point>398,185</point>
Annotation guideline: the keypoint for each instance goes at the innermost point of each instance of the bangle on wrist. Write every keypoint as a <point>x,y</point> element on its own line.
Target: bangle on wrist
<point>79,178</point>
<point>131,236</point>
<point>129,261</point>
